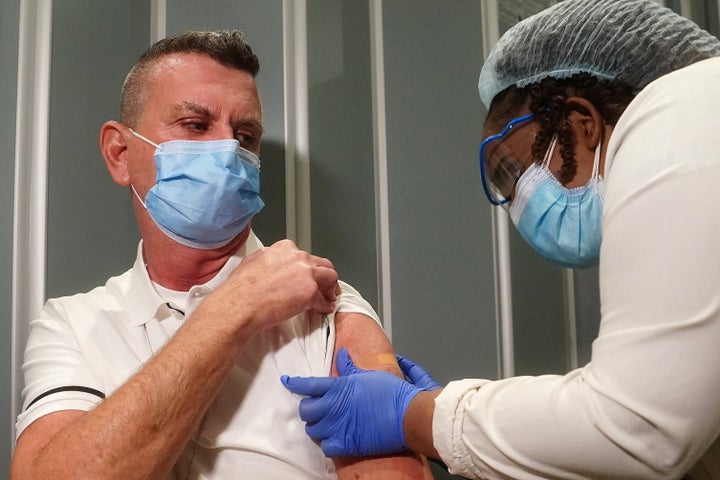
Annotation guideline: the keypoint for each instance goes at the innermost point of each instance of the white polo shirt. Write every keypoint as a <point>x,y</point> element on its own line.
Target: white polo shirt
<point>85,346</point>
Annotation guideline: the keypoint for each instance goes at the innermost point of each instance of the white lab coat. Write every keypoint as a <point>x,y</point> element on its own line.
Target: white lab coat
<point>648,403</point>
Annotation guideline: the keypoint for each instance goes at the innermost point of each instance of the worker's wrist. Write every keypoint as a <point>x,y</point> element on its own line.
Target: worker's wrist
<point>417,423</point>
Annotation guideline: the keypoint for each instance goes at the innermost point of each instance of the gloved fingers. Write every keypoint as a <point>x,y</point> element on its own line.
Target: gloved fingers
<point>314,412</point>
<point>310,386</point>
<point>344,363</point>
<point>333,448</point>
<point>417,374</point>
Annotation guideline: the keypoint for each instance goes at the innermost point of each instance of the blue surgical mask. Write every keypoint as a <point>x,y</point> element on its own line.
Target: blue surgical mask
<point>205,192</point>
<point>561,224</point>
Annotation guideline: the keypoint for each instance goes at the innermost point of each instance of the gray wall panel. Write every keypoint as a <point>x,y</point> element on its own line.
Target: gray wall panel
<point>91,229</point>
<point>587,305</point>
<point>341,141</point>
<point>441,239</point>
<point>261,21</point>
<point>539,316</point>
<point>443,309</point>
<point>8,79</point>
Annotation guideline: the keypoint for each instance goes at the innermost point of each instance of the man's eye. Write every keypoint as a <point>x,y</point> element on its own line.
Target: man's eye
<point>195,126</point>
<point>244,139</point>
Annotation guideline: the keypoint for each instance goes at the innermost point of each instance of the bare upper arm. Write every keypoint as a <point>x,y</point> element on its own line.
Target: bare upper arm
<point>366,343</point>
<point>34,438</point>
<point>370,349</point>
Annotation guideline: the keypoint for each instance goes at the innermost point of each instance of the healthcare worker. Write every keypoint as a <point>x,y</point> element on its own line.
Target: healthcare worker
<point>603,124</point>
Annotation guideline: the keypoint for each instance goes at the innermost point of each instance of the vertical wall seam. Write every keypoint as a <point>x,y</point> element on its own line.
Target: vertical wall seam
<point>289,119</point>
<point>501,247</point>
<point>297,137</point>
<point>686,9</point>
<point>571,318</point>
<point>382,215</point>
<point>30,196</point>
<point>500,230</point>
<point>158,20</point>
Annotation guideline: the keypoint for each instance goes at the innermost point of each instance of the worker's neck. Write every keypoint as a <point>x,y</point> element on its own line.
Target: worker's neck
<point>177,267</point>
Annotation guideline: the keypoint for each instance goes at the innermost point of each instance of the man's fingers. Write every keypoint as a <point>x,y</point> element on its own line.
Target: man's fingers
<point>327,284</point>
<point>326,278</point>
<point>322,262</point>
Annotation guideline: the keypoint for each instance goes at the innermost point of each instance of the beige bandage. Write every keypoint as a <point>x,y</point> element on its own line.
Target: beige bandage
<point>377,361</point>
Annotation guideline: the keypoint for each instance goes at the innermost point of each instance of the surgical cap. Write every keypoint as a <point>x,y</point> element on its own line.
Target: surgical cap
<point>635,41</point>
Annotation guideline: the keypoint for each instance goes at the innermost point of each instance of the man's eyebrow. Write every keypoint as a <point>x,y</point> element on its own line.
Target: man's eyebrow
<point>187,106</point>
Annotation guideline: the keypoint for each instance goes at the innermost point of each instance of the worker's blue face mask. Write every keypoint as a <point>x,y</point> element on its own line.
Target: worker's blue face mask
<point>561,224</point>
<point>205,192</point>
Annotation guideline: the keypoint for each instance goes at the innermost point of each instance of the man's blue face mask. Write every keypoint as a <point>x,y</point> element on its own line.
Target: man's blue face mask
<point>205,192</point>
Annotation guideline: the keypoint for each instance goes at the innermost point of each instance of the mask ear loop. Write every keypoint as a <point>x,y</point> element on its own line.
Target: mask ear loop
<point>151,143</point>
<point>550,151</point>
<point>596,178</point>
<point>596,162</point>
<point>144,139</point>
<point>138,196</point>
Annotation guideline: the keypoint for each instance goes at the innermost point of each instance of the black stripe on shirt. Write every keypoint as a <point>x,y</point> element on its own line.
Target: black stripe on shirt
<point>72,388</point>
<point>169,305</point>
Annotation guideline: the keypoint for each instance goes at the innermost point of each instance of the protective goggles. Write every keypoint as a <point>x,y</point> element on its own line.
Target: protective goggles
<point>504,157</point>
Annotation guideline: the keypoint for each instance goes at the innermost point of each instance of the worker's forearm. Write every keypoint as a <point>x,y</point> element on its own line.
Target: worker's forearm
<point>139,431</point>
<point>417,424</point>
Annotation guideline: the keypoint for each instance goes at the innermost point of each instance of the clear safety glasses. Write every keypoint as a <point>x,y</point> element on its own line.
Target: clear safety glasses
<point>504,157</point>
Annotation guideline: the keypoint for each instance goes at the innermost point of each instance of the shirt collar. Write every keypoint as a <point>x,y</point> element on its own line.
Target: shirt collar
<point>141,301</point>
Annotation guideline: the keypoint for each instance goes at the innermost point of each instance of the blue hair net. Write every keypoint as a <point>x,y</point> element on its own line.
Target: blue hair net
<point>635,41</point>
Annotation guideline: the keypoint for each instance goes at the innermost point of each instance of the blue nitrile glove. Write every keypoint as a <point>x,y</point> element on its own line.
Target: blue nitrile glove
<point>359,413</point>
<point>417,375</point>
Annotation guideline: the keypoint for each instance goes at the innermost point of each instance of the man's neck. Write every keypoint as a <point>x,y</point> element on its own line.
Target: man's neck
<point>177,267</point>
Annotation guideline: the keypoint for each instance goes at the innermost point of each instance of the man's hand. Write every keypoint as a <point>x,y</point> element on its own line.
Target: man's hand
<point>361,412</point>
<point>274,284</point>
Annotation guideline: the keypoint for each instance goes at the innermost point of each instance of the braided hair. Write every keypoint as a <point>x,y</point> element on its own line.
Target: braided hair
<point>548,104</point>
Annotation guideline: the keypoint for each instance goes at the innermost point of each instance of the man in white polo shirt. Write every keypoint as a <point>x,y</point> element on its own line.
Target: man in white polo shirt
<point>172,369</point>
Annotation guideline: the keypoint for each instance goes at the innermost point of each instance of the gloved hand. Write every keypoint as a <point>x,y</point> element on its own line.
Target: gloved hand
<point>417,375</point>
<point>361,412</point>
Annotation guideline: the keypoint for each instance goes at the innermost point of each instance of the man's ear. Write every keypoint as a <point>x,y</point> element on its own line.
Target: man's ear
<point>114,150</point>
<point>586,122</point>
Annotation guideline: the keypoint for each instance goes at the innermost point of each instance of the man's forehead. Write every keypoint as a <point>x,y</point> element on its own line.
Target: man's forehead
<point>182,59</point>
<point>177,79</point>
<point>189,65</point>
